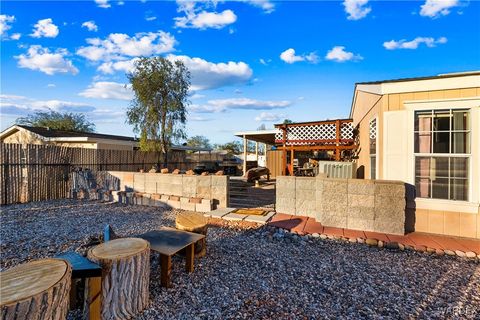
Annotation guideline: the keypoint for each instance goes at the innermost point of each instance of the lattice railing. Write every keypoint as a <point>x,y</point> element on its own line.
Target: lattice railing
<point>317,133</point>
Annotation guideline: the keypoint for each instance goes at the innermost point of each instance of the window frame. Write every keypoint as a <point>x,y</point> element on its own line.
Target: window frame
<point>370,154</point>
<point>450,155</point>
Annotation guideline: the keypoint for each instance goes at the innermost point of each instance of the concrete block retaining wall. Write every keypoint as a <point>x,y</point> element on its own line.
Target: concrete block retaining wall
<point>213,188</point>
<point>369,205</point>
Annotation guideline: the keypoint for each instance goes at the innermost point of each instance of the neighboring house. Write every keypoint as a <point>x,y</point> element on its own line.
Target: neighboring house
<point>39,135</point>
<point>425,132</point>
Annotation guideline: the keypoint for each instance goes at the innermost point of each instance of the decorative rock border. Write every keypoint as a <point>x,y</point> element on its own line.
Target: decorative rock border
<point>279,233</point>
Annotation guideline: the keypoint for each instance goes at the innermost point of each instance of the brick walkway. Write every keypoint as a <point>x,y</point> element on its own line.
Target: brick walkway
<point>304,225</point>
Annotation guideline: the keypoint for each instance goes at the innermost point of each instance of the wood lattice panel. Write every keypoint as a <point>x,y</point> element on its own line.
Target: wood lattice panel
<point>319,133</point>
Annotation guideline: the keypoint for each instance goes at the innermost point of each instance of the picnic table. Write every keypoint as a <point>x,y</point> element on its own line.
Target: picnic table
<point>36,290</point>
<point>169,241</point>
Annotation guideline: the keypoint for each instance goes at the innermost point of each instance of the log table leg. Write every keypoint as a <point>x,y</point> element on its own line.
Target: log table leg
<point>125,277</point>
<point>189,257</point>
<point>94,298</point>
<point>166,268</point>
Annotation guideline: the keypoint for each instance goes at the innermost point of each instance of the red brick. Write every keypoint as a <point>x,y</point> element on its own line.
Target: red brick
<point>470,244</point>
<point>424,240</point>
<point>349,233</point>
<point>299,223</point>
<point>401,239</point>
<point>376,235</point>
<point>313,226</point>
<point>332,231</point>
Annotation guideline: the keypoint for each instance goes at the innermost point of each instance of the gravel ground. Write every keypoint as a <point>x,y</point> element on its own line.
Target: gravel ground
<point>249,274</point>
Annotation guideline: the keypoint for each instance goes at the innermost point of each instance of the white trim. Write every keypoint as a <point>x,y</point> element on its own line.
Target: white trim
<point>419,85</point>
<point>447,205</point>
<point>459,103</point>
<point>240,134</point>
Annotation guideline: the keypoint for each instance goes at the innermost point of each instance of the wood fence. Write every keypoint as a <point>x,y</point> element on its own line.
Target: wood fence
<point>42,172</point>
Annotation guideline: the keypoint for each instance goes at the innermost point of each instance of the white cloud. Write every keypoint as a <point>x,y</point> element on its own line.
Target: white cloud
<point>45,28</point>
<point>102,3</point>
<point>436,8</point>
<point>204,74</point>
<point>356,9</point>
<point>5,21</point>
<point>197,96</point>
<point>265,62</point>
<point>20,105</point>
<point>197,118</point>
<point>41,59</point>
<point>108,90</point>
<point>204,20</point>
<point>289,56</point>
<point>198,18</point>
<point>90,25</point>
<point>266,5</point>
<point>51,85</point>
<point>111,67</point>
<point>267,116</point>
<point>220,105</point>
<point>118,45</point>
<point>339,54</point>
<point>209,75</point>
<point>149,16</point>
<point>16,36</point>
<point>413,44</point>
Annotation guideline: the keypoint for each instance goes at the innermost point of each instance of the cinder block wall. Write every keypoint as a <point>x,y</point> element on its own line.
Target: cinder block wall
<point>206,187</point>
<point>369,205</point>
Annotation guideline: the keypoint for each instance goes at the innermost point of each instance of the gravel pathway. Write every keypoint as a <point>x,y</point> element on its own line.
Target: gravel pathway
<point>248,274</point>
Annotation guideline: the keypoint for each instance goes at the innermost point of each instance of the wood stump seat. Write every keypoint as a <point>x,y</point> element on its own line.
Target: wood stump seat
<point>196,223</point>
<point>125,278</point>
<point>36,290</point>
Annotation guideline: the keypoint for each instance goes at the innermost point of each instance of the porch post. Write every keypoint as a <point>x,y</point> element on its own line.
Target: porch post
<point>245,141</point>
<point>292,156</point>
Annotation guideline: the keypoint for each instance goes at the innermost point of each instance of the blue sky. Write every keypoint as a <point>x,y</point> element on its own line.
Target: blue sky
<point>252,62</point>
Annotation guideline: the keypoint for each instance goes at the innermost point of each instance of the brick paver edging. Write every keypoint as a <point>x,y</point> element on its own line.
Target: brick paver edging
<point>421,242</point>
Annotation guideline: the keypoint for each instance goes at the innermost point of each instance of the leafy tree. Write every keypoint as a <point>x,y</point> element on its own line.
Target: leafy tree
<point>67,121</point>
<point>287,121</point>
<point>262,127</point>
<point>234,147</point>
<point>199,142</point>
<point>159,109</point>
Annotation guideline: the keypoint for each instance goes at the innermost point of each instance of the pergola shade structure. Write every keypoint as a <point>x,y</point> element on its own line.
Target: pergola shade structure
<point>337,136</point>
<point>332,135</point>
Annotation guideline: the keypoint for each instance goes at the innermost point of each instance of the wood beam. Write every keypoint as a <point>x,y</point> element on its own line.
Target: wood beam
<point>310,148</point>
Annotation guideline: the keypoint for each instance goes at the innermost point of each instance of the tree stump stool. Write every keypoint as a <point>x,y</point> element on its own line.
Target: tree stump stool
<point>36,290</point>
<point>125,276</point>
<point>196,223</point>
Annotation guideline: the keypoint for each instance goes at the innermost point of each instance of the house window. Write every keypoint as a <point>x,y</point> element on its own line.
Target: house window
<point>442,154</point>
<point>373,148</point>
